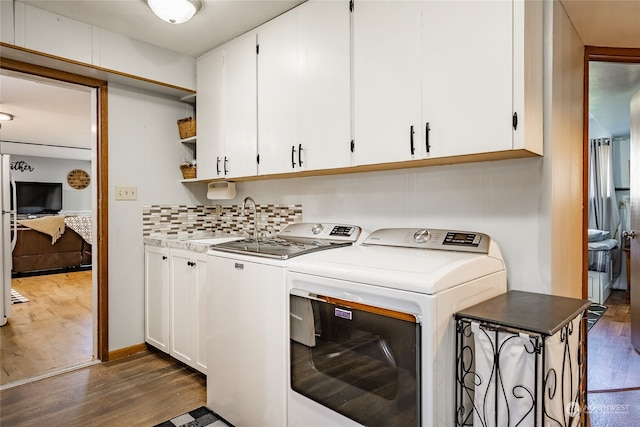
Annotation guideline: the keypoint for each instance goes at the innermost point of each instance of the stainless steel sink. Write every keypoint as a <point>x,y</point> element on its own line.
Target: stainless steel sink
<point>274,248</point>
<point>215,240</point>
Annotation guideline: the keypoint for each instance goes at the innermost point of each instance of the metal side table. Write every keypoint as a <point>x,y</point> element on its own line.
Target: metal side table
<point>520,360</point>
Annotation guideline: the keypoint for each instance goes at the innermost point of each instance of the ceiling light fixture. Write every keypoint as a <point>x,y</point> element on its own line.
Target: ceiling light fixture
<point>175,11</point>
<point>6,117</point>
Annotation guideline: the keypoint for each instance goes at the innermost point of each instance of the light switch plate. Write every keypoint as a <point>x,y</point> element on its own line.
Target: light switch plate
<point>126,192</point>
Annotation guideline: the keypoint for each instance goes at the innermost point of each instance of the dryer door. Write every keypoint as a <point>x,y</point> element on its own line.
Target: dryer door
<point>358,360</point>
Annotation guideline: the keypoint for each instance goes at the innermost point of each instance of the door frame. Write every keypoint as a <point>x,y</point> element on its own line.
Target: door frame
<point>600,54</point>
<point>102,306</point>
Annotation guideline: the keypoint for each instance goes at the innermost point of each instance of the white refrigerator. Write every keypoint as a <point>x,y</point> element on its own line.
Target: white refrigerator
<point>8,234</point>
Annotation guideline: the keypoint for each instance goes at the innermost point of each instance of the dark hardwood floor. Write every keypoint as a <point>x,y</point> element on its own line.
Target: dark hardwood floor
<point>140,390</point>
<point>613,377</point>
<point>151,387</point>
<point>613,363</point>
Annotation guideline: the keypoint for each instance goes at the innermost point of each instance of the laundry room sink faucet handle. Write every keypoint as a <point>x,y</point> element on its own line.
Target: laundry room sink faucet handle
<point>255,215</point>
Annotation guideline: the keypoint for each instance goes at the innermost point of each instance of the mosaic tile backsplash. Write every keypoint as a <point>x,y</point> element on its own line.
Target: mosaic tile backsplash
<point>185,220</point>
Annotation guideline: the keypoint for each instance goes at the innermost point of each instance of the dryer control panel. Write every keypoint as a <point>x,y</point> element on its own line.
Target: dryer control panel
<point>431,238</point>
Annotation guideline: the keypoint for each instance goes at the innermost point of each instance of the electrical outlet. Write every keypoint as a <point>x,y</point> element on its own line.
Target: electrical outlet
<point>126,192</point>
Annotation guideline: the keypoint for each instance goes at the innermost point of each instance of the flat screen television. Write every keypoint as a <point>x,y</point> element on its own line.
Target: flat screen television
<point>38,198</point>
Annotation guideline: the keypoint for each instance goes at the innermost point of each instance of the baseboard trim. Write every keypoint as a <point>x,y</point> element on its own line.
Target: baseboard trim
<point>127,351</point>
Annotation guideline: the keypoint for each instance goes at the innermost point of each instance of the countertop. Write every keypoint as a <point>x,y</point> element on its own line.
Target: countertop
<point>187,242</point>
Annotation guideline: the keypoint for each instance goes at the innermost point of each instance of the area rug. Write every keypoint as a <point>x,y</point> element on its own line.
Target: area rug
<point>197,418</point>
<point>595,312</point>
<point>17,298</point>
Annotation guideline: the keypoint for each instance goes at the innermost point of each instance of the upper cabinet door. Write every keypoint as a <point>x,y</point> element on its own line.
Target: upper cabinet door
<point>387,81</point>
<point>324,84</point>
<point>240,108</point>
<point>277,94</point>
<point>304,98</point>
<point>467,84</point>
<point>210,147</point>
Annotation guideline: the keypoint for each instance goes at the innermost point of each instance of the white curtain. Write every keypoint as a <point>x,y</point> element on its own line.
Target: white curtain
<point>603,206</point>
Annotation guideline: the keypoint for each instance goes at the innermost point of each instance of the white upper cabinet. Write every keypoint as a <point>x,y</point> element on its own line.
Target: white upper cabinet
<point>304,113</point>
<point>227,122</point>
<point>277,94</point>
<point>387,81</point>
<point>210,115</point>
<point>240,108</point>
<point>324,84</point>
<point>466,77</point>
<point>528,53</point>
<point>476,77</point>
<point>438,79</point>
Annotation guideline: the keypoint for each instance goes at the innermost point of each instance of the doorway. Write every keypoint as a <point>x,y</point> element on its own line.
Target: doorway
<point>612,362</point>
<point>97,276</point>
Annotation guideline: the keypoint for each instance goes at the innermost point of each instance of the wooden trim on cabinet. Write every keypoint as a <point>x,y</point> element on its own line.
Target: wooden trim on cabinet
<point>102,327</point>
<point>409,164</point>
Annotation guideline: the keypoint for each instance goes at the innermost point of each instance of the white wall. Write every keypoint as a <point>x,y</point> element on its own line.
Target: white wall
<point>500,198</point>
<point>144,151</point>
<point>44,169</point>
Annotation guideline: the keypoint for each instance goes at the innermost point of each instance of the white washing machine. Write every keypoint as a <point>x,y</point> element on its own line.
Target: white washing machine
<point>371,328</point>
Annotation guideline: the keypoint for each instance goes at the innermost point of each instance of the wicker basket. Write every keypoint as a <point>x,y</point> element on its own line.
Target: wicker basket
<point>187,127</point>
<point>188,171</point>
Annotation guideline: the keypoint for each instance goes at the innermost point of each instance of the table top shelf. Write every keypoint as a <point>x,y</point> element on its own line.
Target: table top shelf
<point>529,311</point>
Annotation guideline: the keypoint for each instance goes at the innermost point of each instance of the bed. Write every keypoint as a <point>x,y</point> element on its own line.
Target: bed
<point>600,279</point>
<point>37,252</point>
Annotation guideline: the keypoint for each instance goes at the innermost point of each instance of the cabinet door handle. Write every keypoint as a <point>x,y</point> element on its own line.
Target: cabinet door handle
<point>164,257</point>
<point>427,129</point>
<point>413,148</point>
<point>226,161</point>
<point>293,156</point>
<point>191,263</point>
<point>300,155</point>
<point>218,165</point>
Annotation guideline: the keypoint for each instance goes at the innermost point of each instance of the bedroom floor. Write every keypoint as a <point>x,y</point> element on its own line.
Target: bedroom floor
<point>613,363</point>
<point>613,377</point>
<point>52,331</point>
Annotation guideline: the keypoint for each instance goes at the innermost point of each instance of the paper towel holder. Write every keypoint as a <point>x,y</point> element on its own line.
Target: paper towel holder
<point>224,190</point>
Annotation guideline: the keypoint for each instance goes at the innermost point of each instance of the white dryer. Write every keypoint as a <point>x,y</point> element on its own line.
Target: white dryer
<point>371,328</point>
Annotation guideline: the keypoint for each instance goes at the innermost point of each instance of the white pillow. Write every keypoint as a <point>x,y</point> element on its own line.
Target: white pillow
<point>596,235</point>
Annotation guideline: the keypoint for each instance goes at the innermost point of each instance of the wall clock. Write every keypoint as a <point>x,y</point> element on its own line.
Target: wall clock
<point>78,179</point>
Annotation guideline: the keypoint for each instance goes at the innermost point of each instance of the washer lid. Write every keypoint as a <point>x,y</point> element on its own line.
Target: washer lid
<point>425,271</point>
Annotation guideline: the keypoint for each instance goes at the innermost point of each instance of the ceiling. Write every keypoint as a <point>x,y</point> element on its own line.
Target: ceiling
<point>611,23</point>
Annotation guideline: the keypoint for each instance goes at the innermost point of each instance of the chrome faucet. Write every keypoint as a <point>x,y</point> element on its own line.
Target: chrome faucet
<point>255,215</point>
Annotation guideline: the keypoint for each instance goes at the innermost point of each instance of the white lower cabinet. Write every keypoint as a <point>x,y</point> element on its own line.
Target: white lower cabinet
<point>156,297</point>
<point>175,304</point>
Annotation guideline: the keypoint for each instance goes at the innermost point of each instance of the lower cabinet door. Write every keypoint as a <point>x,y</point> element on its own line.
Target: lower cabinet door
<point>187,337</point>
<point>156,297</point>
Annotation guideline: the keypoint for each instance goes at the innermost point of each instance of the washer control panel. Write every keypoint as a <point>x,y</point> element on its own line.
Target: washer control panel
<point>327,232</point>
<point>430,238</point>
